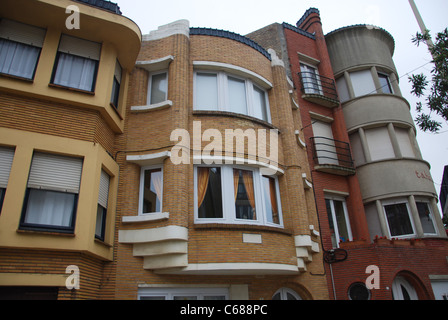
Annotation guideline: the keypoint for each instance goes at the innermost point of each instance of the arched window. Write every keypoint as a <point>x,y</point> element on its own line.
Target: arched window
<point>403,290</point>
<point>286,294</point>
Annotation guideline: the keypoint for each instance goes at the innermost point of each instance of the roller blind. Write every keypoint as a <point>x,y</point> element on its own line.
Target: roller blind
<point>57,173</point>
<point>104,189</point>
<point>22,33</point>
<point>6,157</point>
<point>80,47</point>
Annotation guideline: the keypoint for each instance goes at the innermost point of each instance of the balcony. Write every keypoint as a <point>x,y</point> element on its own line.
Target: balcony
<point>319,89</point>
<point>332,156</point>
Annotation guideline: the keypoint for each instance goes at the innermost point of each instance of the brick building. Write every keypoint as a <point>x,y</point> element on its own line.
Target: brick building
<point>374,195</point>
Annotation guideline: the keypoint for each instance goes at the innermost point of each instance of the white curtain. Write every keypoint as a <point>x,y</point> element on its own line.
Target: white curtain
<point>75,72</point>
<point>50,208</point>
<point>18,59</point>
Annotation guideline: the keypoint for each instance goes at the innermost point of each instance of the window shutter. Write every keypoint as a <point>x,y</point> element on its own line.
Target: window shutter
<point>80,47</point>
<point>6,157</point>
<point>57,173</point>
<point>22,33</point>
<point>104,189</point>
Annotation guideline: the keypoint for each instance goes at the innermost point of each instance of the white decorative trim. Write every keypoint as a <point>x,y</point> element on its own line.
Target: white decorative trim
<point>275,60</point>
<point>176,27</point>
<point>306,183</point>
<point>235,160</point>
<point>146,218</point>
<point>295,104</point>
<point>235,269</point>
<point>148,159</point>
<point>154,65</point>
<point>152,107</point>
<point>314,231</point>
<point>236,70</point>
<point>299,139</point>
<point>153,235</point>
<point>307,59</point>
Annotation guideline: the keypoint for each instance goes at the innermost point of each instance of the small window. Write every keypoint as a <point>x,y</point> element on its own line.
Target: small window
<point>310,79</point>
<point>115,96</point>
<point>151,189</point>
<point>6,158</point>
<point>402,289</point>
<point>206,91</point>
<point>358,291</point>
<point>209,193</point>
<point>339,221</point>
<point>260,105</point>
<point>386,87</point>
<point>52,193</point>
<point>398,219</point>
<point>362,83</point>
<point>426,217</point>
<point>158,88</point>
<point>20,47</point>
<point>237,95</point>
<point>103,199</point>
<point>77,63</point>
<point>379,143</point>
<point>404,142</point>
<point>343,92</point>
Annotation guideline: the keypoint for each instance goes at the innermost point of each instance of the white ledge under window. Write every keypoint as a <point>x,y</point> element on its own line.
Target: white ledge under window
<point>152,217</point>
<point>238,71</point>
<point>154,65</point>
<point>151,107</point>
<point>148,159</point>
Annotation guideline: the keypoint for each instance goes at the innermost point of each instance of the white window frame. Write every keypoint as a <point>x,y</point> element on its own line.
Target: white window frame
<point>332,198</point>
<point>170,293</point>
<point>142,190</point>
<point>397,292</point>
<point>431,213</point>
<point>150,77</point>
<point>228,201</point>
<point>223,93</point>
<point>283,292</point>
<point>399,201</point>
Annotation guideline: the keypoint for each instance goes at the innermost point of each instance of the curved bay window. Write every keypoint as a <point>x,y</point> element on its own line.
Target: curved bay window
<point>228,194</point>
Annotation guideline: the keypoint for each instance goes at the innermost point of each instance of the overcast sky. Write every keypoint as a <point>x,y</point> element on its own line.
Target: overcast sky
<point>245,16</point>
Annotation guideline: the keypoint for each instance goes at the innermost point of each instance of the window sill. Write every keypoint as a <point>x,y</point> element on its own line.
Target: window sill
<point>45,232</point>
<point>233,115</point>
<point>158,106</point>
<point>116,110</point>
<point>57,86</point>
<point>13,77</point>
<point>245,227</point>
<point>151,217</point>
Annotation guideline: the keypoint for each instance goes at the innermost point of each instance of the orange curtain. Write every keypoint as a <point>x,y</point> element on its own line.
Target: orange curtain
<point>273,196</point>
<point>249,185</point>
<point>203,177</point>
<point>236,179</point>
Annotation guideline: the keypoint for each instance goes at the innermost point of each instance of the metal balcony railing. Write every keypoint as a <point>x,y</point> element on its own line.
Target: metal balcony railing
<point>314,84</point>
<point>328,151</point>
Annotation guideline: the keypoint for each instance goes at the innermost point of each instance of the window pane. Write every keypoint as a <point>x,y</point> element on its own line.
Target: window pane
<point>342,89</point>
<point>270,200</point>
<point>379,143</point>
<point>75,72</point>
<point>385,83</point>
<point>244,194</point>
<point>100,222</point>
<point>362,83</point>
<point>237,96</point>
<point>334,241</point>
<point>404,142</point>
<point>310,79</point>
<point>49,208</point>
<point>341,220</point>
<point>260,106</point>
<point>159,88</point>
<point>398,219</point>
<point>425,217</point>
<point>18,59</point>
<point>209,193</point>
<point>152,193</point>
<point>206,91</point>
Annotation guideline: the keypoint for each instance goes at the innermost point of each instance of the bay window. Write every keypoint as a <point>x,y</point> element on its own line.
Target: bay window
<point>219,91</point>
<point>20,47</point>
<point>227,194</point>
<point>76,63</point>
<point>52,193</point>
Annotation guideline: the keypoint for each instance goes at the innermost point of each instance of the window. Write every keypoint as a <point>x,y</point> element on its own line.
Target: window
<point>226,194</point>
<point>404,142</point>
<point>20,47</point>
<point>426,217</point>
<point>310,79</point>
<point>220,91</point>
<point>158,87</point>
<point>358,152</point>
<point>358,291</point>
<point>338,220</point>
<point>362,83</point>
<point>385,83</point>
<point>343,92</point>
<point>103,198</point>
<point>403,290</point>
<point>183,294</point>
<point>379,143</point>
<point>6,158</point>
<point>398,218</point>
<point>286,294</point>
<point>52,193</point>
<point>116,85</point>
<point>77,63</point>
<point>324,144</point>
<point>151,189</point>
